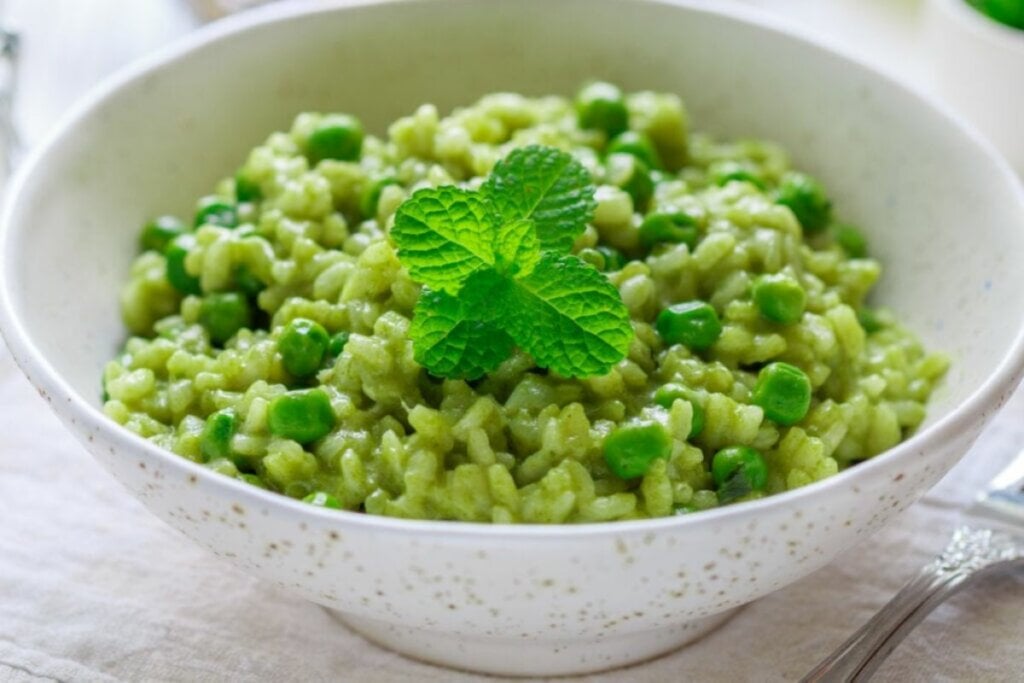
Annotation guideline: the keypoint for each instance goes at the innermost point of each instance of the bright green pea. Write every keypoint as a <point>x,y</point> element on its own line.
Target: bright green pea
<point>592,256</point>
<point>176,252</point>
<point>737,471</point>
<point>613,258</point>
<point>632,175</point>
<point>604,259</point>
<point>216,211</point>
<point>302,346</point>
<point>253,480</point>
<point>779,297</point>
<point>322,499</point>
<point>601,106</point>
<point>637,144</point>
<point>869,320</point>
<point>246,281</point>
<point>727,171</point>
<point>159,232</point>
<point>806,198</point>
<point>694,324</point>
<point>630,449</point>
<point>370,198</point>
<point>667,394</point>
<point>852,241</point>
<point>246,189</point>
<point>339,136</point>
<point>784,392</point>
<point>675,227</point>
<point>337,344</point>
<point>304,416</point>
<point>223,314</point>
<point>215,441</point>
<point>1008,12</point>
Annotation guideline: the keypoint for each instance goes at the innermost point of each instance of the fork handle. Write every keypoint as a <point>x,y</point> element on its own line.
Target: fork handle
<point>970,554</point>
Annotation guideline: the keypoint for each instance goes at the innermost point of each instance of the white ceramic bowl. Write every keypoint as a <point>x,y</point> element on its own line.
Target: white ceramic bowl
<point>978,66</point>
<point>942,211</point>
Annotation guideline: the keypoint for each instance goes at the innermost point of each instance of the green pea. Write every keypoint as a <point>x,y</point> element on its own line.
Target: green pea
<point>246,281</point>
<point>632,175</point>
<point>680,510</point>
<point>177,275</point>
<point>784,392</point>
<point>246,189</point>
<point>302,345</point>
<point>215,441</point>
<point>694,324</point>
<point>737,471</point>
<point>216,211</point>
<point>593,257</point>
<point>675,227</point>
<point>337,344</point>
<point>304,416</point>
<point>159,232</point>
<point>1008,12</point>
<point>370,198</point>
<point>728,171</point>
<point>852,241</point>
<point>869,320</point>
<point>630,449</point>
<point>667,394</point>
<point>637,144</point>
<point>779,297</point>
<point>613,258</point>
<point>603,258</point>
<point>601,106</point>
<point>253,480</point>
<point>806,198</point>
<point>322,499</point>
<point>223,314</point>
<point>338,136</point>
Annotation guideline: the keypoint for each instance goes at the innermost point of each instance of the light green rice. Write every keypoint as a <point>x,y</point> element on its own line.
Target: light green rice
<point>520,445</point>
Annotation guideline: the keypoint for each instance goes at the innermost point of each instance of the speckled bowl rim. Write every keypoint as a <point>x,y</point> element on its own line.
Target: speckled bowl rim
<point>988,397</point>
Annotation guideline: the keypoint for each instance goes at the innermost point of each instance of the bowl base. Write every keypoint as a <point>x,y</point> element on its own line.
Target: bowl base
<point>526,657</point>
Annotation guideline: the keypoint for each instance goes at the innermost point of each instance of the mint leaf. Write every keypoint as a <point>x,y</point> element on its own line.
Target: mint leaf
<point>449,343</point>
<point>518,249</point>
<point>548,186</point>
<point>494,278</point>
<point>565,314</point>
<point>444,235</point>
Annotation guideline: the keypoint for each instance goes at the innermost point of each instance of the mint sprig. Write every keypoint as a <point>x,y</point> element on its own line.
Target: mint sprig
<point>497,272</point>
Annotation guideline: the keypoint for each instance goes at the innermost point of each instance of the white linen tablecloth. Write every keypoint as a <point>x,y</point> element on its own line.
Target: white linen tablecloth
<point>95,588</point>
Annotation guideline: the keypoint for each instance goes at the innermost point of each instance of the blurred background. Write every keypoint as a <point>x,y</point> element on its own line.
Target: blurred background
<point>947,47</point>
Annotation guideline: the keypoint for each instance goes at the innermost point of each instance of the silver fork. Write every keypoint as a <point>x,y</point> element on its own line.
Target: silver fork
<point>973,552</point>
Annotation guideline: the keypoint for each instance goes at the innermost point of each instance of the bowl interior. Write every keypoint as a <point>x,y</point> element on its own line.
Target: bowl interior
<point>943,216</point>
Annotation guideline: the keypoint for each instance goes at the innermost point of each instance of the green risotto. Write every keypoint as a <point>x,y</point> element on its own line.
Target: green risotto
<point>534,310</point>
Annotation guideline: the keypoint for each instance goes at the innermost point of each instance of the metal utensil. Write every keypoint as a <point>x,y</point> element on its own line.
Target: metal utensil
<point>991,541</point>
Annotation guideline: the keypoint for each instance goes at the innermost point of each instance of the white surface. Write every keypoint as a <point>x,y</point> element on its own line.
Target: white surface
<point>979,68</point>
<point>118,593</point>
